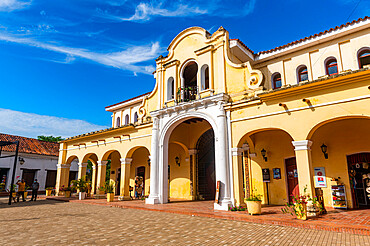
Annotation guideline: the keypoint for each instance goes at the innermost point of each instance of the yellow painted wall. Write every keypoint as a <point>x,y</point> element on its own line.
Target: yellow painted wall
<point>278,145</point>
<point>343,137</point>
<point>140,158</point>
<point>179,175</point>
<point>228,75</point>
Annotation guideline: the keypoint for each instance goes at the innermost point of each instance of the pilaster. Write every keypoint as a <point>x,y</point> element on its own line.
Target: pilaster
<point>62,176</point>
<point>304,166</point>
<point>125,179</point>
<point>82,170</point>
<point>237,159</point>
<point>102,167</point>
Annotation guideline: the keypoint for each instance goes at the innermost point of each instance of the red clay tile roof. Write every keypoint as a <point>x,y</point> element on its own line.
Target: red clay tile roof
<point>128,100</point>
<point>30,145</point>
<point>305,38</point>
<point>243,45</point>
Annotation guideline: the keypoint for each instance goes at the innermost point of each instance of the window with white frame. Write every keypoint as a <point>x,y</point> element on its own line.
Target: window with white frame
<point>170,89</point>
<point>205,77</point>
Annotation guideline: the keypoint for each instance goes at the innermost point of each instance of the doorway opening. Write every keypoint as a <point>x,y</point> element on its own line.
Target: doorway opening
<point>206,177</point>
<point>359,176</point>
<point>292,178</point>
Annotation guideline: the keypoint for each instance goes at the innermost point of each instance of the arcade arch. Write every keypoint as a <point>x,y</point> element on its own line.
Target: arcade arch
<point>347,139</point>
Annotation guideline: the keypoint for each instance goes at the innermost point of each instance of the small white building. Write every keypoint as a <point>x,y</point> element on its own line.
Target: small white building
<point>40,162</point>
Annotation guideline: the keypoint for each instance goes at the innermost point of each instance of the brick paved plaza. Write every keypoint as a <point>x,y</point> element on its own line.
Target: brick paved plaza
<point>48,222</point>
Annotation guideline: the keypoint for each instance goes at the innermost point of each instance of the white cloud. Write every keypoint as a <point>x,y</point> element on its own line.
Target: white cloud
<point>125,59</point>
<point>144,11</point>
<point>33,125</point>
<point>11,5</point>
<point>164,8</point>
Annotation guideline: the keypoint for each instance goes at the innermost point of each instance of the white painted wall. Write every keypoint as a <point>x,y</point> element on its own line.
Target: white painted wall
<point>32,161</point>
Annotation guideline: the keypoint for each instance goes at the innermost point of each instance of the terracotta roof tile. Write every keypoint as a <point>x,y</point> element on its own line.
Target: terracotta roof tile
<point>305,38</point>
<point>30,145</point>
<point>243,45</point>
<point>314,35</point>
<point>128,100</point>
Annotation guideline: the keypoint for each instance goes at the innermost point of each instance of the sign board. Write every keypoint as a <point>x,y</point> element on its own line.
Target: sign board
<point>218,190</point>
<point>276,173</point>
<point>266,175</point>
<point>320,178</point>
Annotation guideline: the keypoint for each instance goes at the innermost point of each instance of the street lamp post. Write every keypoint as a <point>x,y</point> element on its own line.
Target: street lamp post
<point>6,143</point>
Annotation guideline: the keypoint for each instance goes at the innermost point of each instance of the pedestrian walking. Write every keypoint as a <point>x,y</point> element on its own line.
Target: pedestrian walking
<point>35,189</point>
<point>21,186</point>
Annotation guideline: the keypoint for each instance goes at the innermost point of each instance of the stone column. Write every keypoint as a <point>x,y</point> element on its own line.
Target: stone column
<point>82,170</point>
<point>222,161</point>
<point>102,168</point>
<point>154,165</point>
<point>237,174</point>
<point>62,176</point>
<point>93,179</point>
<point>125,179</point>
<point>304,166</point>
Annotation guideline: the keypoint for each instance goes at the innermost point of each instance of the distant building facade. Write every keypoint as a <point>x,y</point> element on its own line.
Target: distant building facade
<point>279,123</point>
<point>40,159</point>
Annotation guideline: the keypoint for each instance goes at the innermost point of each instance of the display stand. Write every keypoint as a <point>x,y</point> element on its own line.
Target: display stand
<point>338,193</point>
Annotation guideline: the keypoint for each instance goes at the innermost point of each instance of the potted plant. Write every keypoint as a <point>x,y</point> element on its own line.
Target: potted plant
<point>108,188</point>
<point>297,208</point>
<point>48,190</point>
<point>26,191</point>
<point>66,190</point>
<point>81,186</point>
<point>2,186</point>
<point>14,193</point>
<point>254,204</point>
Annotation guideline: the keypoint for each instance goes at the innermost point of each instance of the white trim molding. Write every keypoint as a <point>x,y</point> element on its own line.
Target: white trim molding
<point>82,164</point>
<point>102,163</point>
<point>302,145</point>
<point>63,165</point>
<point>237,151</point>
<point>126,161</point>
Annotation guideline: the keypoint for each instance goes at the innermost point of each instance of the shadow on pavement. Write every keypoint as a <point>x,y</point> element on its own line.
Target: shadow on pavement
<point>28,203</point>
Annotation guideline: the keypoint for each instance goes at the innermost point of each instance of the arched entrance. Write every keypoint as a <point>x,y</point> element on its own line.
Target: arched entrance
<point>359,175</point>
<point>183,126</point>
<point>345,163</point>
<point>190,84</point>
<point>206,177</point>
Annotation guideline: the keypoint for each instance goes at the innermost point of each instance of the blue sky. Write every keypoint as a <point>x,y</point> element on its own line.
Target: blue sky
<point>62,62</point>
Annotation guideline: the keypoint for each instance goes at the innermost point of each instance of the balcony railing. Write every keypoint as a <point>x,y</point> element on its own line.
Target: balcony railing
<point>187,94</point>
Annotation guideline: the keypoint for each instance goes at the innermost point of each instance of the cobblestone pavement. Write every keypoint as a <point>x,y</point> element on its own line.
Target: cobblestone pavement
<point>47,222</point>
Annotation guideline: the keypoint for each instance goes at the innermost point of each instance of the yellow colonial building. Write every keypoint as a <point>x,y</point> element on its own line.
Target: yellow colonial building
<point>271,123</point>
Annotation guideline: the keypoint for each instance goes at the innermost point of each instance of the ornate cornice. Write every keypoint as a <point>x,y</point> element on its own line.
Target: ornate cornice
<point>193,105</point>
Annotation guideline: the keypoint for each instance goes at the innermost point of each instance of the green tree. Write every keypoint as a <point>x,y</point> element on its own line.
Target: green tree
<point>107,176</point>
<point>50,138</point>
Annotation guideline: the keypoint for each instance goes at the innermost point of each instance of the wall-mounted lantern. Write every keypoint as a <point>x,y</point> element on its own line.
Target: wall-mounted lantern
<point>21,160</point>
<point>324,150</point>
<point>263,153</point>
<point>177,160</point>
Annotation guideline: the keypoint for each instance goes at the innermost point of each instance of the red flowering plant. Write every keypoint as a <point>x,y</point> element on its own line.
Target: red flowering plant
<point>65,188</point>
<point>298,207</point>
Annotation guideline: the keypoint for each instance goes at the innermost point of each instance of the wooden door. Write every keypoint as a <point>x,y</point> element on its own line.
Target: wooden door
<point>51,177</point>
<point>140,171</point>
<point>28,175</point>
<point>292,178</point>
